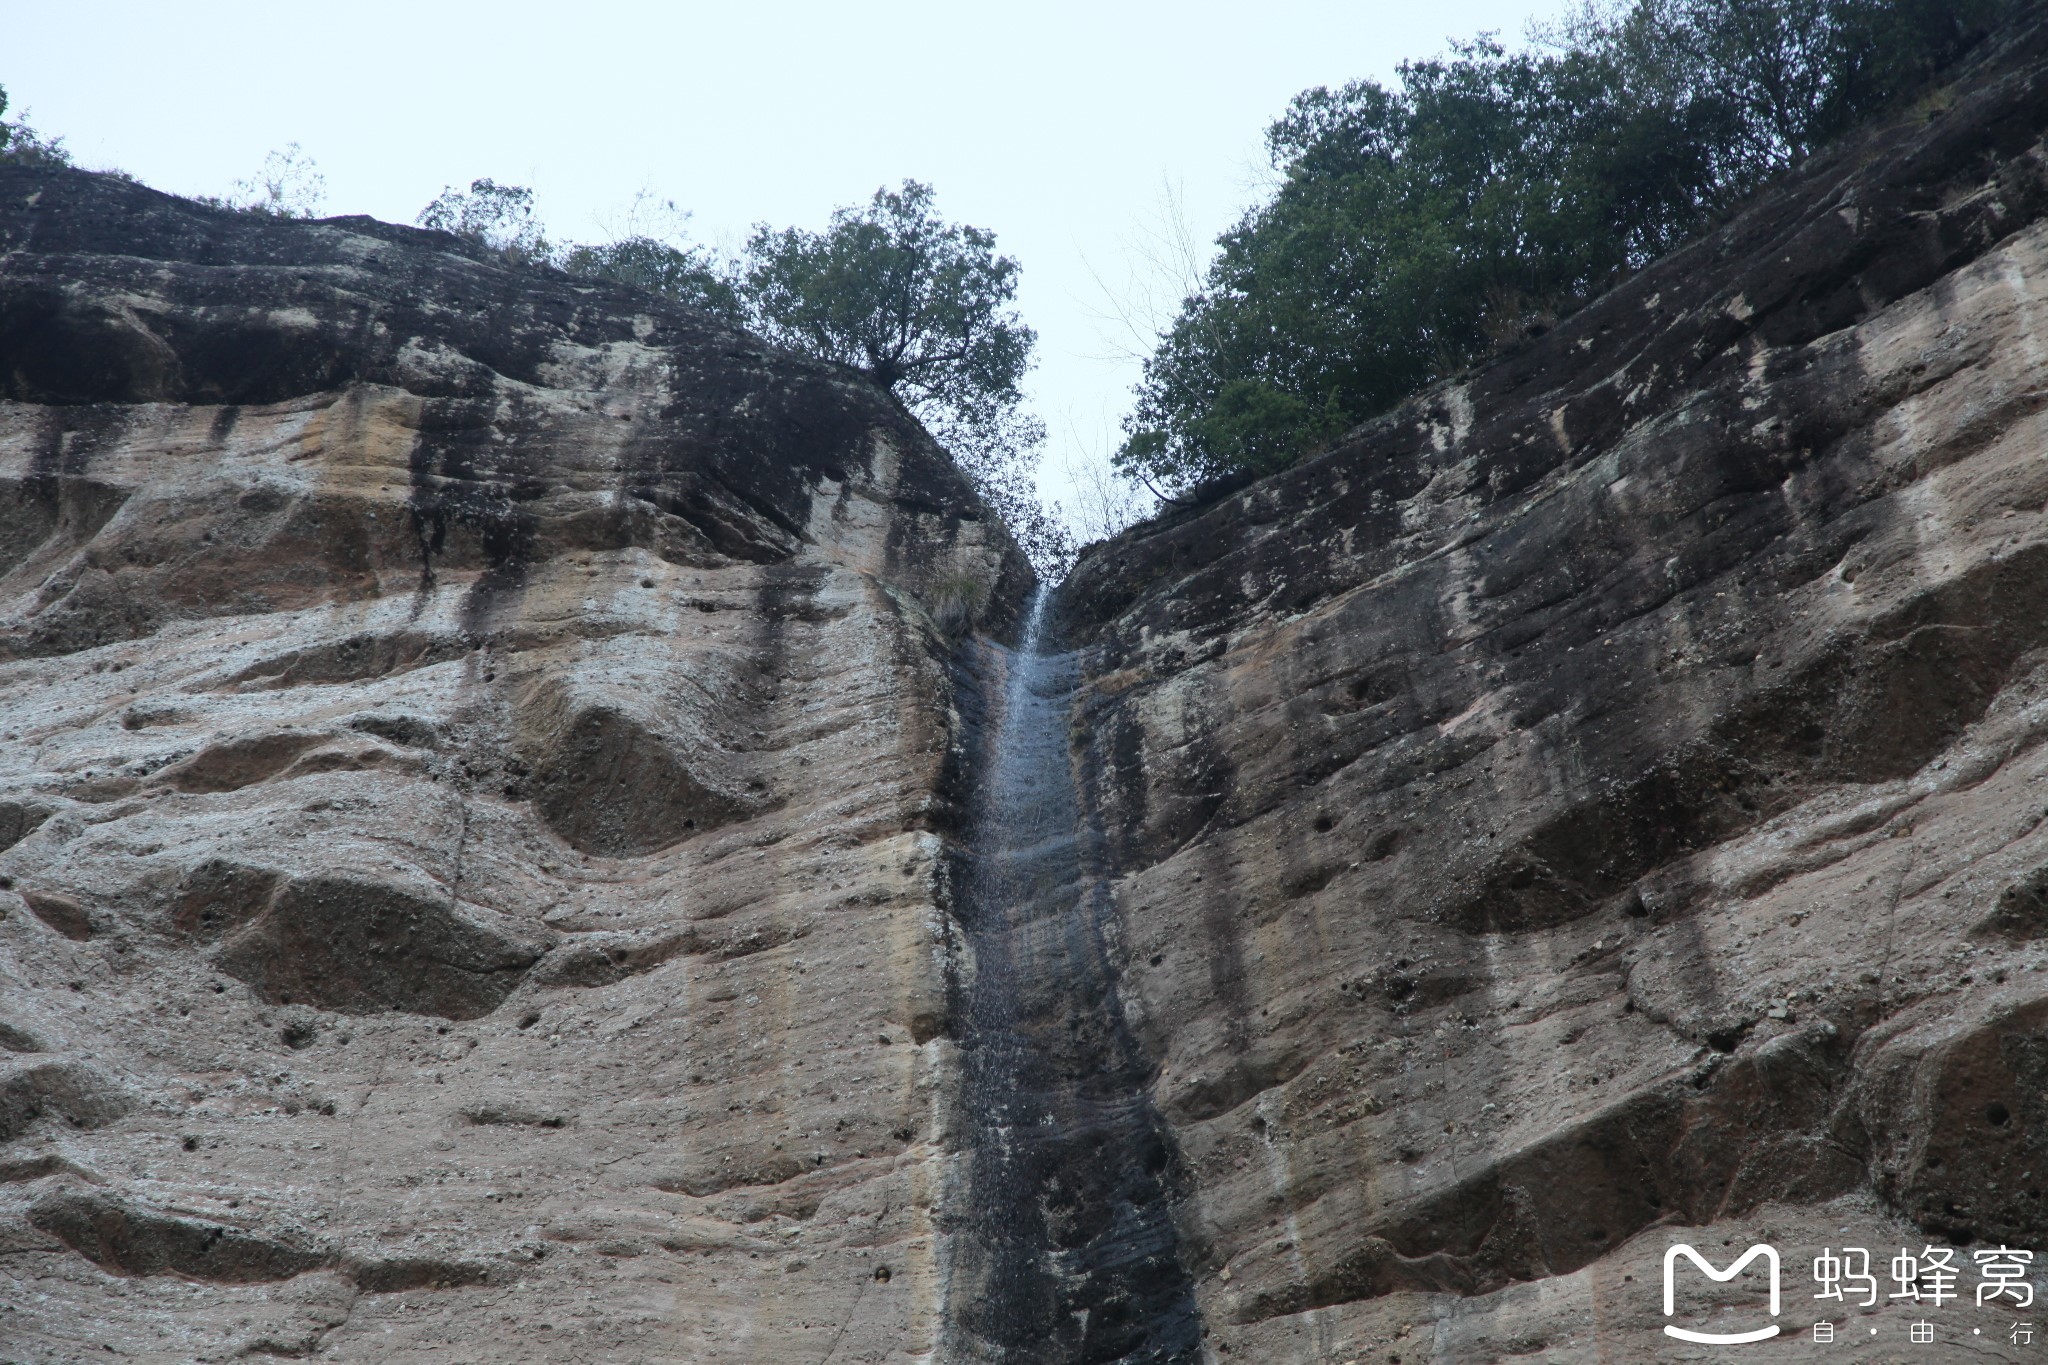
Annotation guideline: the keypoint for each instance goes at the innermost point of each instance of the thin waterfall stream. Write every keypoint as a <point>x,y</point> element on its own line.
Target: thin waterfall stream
<point>1065,1251</point>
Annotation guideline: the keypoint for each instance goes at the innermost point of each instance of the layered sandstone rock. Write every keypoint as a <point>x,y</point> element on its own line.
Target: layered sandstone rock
<point>1610,794</point>
<point>501,861</point>
<point>475,756</point>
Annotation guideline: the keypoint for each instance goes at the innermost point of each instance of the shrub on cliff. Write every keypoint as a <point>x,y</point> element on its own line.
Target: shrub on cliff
<point>500,218</point>
<point>289,185</point>
<point>1420,227</point>
<point>21,145</point>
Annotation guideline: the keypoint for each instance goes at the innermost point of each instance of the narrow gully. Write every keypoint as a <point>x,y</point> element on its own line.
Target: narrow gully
<point>1064,1248</point>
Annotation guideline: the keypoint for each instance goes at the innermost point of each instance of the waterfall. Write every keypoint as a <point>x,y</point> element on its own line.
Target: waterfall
<point>1064,1248</point>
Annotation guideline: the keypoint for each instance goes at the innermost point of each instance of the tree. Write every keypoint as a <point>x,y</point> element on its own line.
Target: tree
<point>21,145</point>
<point>917,304</point>
<point>1421,227</point>
<point>288,186</point>
<point>998,453</point>
<point>498,217</point>
<point>651,250</point>
<point>922,307</point>
<point>1101,501</point>
<point>687,274</point>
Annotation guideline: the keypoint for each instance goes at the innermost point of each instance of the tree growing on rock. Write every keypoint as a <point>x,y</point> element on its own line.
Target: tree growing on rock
<point>922,307</point>
<point>497,217</point>
<point>687,274</point>
<point>651,250</point>
<point>1422,226</point>
<point>289,185</point>
<point>21,145</point>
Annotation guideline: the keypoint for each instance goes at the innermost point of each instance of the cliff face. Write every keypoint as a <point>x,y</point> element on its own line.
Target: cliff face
<point>504,855</point>
<point>475,751</point>
<point>1611,793</point>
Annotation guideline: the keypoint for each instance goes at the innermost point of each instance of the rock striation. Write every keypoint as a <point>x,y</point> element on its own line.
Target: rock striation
<point>519,839</point>
<point>1609,794</point>
<point>474,798</point>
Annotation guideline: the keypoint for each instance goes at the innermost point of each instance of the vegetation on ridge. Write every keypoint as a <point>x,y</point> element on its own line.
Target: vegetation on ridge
<point>889,288</point>
<point>1418,228</point>
<point>1415,229</point>
<point>21,145</point>
<point>922,307</point>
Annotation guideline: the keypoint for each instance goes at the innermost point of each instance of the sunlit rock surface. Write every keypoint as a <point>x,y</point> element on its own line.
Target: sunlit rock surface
<point>474,774</point>
<point>1611,792</point>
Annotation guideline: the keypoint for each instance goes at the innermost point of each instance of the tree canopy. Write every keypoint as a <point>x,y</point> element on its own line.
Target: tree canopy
<point>500,217</point>
<point>687,274</point>
<point>919,305</point>
<point>289,185</point>
<point>922,307</point>
<point>1419,227</point>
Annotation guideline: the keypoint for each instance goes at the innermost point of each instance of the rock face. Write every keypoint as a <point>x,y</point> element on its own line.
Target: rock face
<point>1610,794</point>
<point>500,859</point>
<point>476,761</point>
<point>1063,1243</point>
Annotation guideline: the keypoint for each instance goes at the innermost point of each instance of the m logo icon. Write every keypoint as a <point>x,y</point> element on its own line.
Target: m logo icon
<point>1770,1254</point>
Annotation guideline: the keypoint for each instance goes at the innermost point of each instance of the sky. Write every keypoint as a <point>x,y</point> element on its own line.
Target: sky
<point>1105,144</point>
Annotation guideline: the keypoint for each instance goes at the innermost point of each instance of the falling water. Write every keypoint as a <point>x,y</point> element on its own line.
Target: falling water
<point>1064,1248</point>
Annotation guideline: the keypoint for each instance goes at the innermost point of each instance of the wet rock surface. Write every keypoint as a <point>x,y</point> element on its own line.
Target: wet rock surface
<point>1609,793</point>
<point>1065,1250</point>
<point>474,790</point>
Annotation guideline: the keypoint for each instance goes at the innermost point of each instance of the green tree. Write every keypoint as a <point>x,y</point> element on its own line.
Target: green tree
<point>1418,228</point>
<point>922,307</point>
<point>498,217</point>
<point>21,145</point>
<point>919,305</point>
<point>687,274</point>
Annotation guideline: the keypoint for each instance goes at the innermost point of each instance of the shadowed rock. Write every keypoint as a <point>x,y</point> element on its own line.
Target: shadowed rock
<point>361,946</point>
<point>70,1092</point>
<point>609,781</point>
<point>403,1274</point>
<point>131,1239</point>
<point>18,820</point>
<point>1604,791</point>
<point>239,762</point>
<point>63,913</point>
<point>17,1039</point>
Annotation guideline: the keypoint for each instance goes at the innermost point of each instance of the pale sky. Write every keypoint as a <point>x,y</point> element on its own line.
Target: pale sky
<point>1069,130</point>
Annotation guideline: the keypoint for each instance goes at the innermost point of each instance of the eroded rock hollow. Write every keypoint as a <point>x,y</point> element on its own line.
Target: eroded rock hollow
<point>529,817</point>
